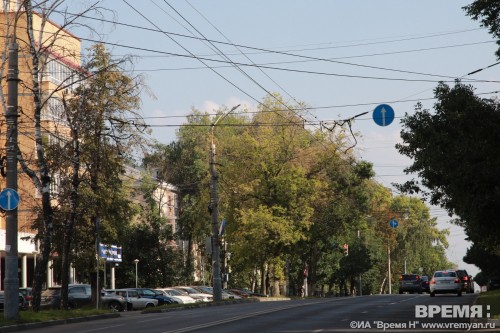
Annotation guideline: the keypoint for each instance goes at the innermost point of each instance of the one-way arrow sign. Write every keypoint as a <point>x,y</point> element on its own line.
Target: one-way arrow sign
<point>9,199</point>
<point>383,115</point>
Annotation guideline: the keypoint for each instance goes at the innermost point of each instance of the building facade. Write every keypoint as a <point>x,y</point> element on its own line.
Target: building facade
<point>59,58</point>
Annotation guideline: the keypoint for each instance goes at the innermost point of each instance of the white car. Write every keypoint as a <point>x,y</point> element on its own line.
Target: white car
<point>134,300</point>
<point>198,296</point>
<point>177,295</point>
<point>445,282</point>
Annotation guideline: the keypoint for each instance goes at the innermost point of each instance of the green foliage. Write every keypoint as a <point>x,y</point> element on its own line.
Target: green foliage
<point>488,11</point>
<point>291,197</point>
<point>488,262</point>
<point>471,191</point>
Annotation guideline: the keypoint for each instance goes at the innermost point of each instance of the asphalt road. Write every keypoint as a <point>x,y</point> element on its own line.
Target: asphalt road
<point>395,313</point>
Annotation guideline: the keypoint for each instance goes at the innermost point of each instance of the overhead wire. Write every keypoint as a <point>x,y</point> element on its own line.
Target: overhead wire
<point>250,47</point>
<point>249,59</point>
<point>220,75</point>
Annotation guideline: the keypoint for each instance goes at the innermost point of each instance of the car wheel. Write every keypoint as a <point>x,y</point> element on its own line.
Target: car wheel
<point>433,294</point>
<point>459,293</point>
<point>115,307</point>
<point>400,291</point>
<point>149,305</point>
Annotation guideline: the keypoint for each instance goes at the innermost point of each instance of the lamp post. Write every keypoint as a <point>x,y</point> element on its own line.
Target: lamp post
<point>217,286</point>
<point>136,261</point>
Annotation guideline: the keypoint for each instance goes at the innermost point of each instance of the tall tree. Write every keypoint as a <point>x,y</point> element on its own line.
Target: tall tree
<point>97,115</point>
<point>463,131</point>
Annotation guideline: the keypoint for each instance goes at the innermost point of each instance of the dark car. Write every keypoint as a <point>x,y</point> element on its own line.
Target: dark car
<point>27,293</point>
<point>79,295</point>
<point>247,292</point>
<point>410,283</point>
<point>494,283</point>
<point>424,282</point>
<point>465,279</point>
<point>154,294</point>
<point>23,303</point>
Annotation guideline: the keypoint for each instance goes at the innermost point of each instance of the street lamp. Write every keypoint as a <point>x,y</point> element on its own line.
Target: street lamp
<point>136,261</point>
<point>217,286</point>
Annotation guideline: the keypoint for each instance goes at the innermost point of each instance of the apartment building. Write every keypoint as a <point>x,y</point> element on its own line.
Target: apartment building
<point>59,61</point>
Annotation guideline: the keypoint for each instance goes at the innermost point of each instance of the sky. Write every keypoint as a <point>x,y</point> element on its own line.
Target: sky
<point>341,58</point>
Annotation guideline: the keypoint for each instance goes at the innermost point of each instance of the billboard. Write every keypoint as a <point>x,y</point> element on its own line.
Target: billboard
<point>111,253</point>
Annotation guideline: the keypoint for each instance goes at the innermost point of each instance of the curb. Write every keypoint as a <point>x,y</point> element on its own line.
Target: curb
<point>29,326</point>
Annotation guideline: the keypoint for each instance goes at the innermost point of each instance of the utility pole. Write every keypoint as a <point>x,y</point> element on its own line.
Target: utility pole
<point>214,208</point>
<point>215,227</point>
<point>11,282</point>
<point>389,266</point>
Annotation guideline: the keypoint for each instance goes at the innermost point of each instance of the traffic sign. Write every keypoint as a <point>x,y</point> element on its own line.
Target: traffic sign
<point>383,115</point>
<point>393,223</point>
<point>9,199</point>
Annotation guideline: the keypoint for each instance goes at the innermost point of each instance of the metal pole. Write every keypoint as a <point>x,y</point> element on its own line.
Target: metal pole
<point>11,281</point>
<point>389,266</point>
<point>215,228</point>
<point>360,283</point>
<point>98,293</point>
<point>136,262</point>
<point>214,202</point>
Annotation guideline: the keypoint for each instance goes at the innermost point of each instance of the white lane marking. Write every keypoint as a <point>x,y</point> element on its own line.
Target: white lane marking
<point>236,318</point>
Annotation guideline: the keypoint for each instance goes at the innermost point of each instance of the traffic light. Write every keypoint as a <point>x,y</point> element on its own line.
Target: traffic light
<point>346,249</point>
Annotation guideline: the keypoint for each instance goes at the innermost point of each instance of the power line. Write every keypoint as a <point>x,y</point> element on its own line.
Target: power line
<point>253,48</point>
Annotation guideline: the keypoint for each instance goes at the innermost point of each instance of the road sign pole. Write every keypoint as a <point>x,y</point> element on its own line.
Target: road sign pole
<point>11,282</point>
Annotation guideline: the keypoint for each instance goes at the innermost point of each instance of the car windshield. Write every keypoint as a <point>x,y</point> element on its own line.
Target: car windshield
<point>173,292</point>
<point>191,290</point>
<point>410,277</point>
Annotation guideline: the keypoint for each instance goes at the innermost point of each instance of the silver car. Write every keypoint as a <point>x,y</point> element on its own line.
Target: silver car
<point>134,300</point>
<point>445,282</point>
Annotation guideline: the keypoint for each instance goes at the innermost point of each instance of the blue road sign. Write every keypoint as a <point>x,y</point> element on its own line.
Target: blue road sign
<point>383,115</point>
<point>393,223</point>
<point>9,199</point>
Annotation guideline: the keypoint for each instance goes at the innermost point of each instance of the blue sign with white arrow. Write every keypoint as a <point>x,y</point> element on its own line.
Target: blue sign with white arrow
<point>9,199</point>
<point>393,223</point>
<point>383,115</point>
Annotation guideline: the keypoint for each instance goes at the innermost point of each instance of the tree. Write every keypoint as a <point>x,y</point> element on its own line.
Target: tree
<point>102,136</point>
<point>36,42</point>
<point>488,11</point>
<point>454,153</point>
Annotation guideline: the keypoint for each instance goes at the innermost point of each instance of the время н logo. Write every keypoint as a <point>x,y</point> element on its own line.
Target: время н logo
<point>451,311</point>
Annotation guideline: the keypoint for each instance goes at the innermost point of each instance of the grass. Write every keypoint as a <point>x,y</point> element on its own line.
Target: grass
<point>48,315</point>
<point>491,298</point>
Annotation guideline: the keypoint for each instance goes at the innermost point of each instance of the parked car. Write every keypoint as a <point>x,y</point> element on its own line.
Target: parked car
<point>410,283</point>
<point>443,282</point>
<point>248,292</point>
<point>114,302</point>
<point>198,296</point>
<point>177,295</point>
<point>27,293</point>
<point>154,294</point>
<point>465,279</point>
<point>493,283</point>
<point>23,303</point>
<point>133,300</point>
<point>210,290</point>
<point>78,295</point>
<point>425,284</point>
